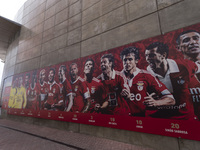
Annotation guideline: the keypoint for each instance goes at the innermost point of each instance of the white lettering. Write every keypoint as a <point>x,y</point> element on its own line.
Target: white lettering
<point>195,90</point>
<point>180,131</point>
<point>169,130</point>
<point>91,120</point>
<point>136,97</point>
<point>139,126</point>
<point>112,123</point>
<point>195,98</point>
<point>173,107</point>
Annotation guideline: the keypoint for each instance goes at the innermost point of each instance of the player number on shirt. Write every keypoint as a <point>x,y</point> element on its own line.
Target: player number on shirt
<point>175,126</point>
<point>136,97</point>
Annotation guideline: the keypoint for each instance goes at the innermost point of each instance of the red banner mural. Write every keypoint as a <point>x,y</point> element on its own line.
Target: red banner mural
<point>151,86</point>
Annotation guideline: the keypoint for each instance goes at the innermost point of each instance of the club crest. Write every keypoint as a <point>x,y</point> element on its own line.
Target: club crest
<point>46,90</point>
<point>140,85</point>
<point>180,81</point>
<point>93,90</point>
<point>76,88</point>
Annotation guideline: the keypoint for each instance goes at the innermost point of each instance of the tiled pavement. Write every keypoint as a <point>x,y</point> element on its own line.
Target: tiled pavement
<point>21,136</point>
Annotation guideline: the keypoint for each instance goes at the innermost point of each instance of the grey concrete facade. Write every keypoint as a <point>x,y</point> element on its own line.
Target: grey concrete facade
<point>55,31</point>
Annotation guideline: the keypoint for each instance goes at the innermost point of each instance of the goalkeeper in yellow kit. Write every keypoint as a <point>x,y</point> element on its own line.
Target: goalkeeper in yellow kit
<point>20,97</point>
<point>13,92</point>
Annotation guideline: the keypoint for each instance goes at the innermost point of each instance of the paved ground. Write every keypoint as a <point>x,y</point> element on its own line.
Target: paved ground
<point>22,136</point>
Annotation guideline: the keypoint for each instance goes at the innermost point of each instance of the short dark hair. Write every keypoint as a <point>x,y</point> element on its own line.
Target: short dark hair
<point>90,59</point>
<point>110,58</point>
<point>162,48</point>
<point>28,74</point>
<point>63,67</point>
<point>70,67</point>
<point>52,69</point>
<point>129,50</point>
<point>14,78</point>
<point>178,40</point>
<point>35,74</point>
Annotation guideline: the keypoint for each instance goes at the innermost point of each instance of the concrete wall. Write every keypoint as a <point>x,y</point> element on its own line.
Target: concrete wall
<point>56,31</point>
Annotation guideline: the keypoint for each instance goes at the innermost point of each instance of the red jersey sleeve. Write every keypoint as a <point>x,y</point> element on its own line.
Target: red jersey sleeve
<point>158,86</point>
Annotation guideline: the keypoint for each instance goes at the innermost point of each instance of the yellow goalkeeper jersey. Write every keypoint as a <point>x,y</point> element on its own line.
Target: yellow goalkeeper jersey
<point>13,92</point>
<point>20,98</point>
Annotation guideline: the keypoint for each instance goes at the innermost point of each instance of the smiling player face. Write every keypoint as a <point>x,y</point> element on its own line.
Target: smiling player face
<point>190,43</point>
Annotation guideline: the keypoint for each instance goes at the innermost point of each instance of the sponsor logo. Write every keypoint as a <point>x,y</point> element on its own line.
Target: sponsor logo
<point>174,107</point>
<point>195,92</point>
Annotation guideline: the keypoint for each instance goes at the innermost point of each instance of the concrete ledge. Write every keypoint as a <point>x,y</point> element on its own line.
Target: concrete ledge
<point>136,138</point>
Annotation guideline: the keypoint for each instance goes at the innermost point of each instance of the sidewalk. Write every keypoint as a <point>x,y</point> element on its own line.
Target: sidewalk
<point>22,136</point>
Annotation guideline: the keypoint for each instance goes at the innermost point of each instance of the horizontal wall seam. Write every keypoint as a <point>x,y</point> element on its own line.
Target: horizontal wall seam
<point>119,26</point>
<point>97,17</point>
<point>170,5</point>
<point>46,10</point>
<point>32,11</point>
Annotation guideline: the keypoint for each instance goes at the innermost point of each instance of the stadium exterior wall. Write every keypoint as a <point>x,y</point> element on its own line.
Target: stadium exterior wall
<point>55,31</point>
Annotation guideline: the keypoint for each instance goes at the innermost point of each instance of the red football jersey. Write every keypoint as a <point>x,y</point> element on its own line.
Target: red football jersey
<point>81,93</point>
<point>53,93</point>
<point>194,85</point>
<point>113,88</point>
<point>43,91</point>
<point>97,93</point>
<point>42,88</point>
<point>32,97</point>
<point>179,77</point>
<point>142,84</point>
<point>194,88</point>
<point>66,89</point>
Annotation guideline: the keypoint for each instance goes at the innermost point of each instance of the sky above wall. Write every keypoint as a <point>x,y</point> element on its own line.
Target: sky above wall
<point>9,9</point>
